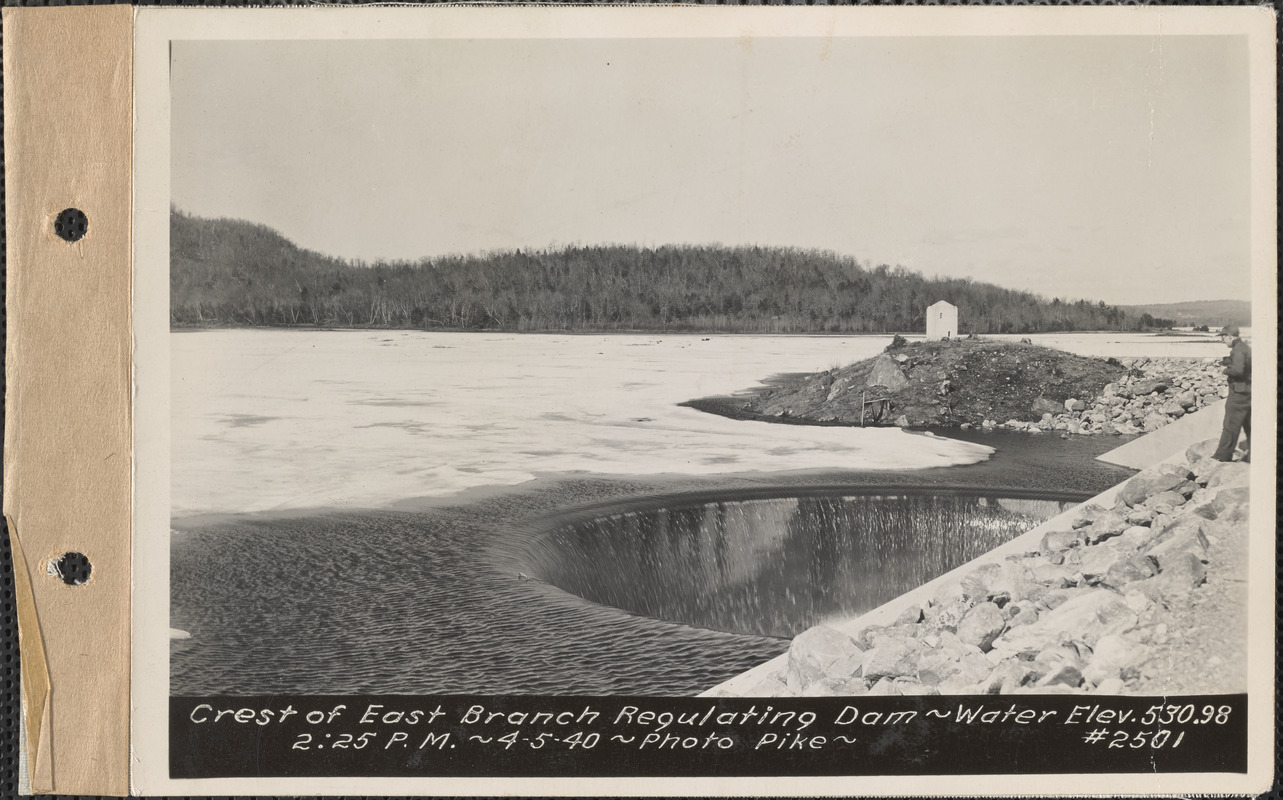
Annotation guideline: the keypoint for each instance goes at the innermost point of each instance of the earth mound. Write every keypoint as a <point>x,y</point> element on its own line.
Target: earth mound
<point>942,384</point>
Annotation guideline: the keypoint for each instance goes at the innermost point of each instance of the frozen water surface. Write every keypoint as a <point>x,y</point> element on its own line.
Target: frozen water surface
<point>268,420</point>
<point>285,419</point>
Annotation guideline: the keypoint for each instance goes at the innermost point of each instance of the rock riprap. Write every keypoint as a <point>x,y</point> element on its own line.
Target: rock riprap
<point>1114,603</point>
<point>1154,392</point>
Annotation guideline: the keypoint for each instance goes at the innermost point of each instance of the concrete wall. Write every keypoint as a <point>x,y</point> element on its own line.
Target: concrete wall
<point>1170,439</point>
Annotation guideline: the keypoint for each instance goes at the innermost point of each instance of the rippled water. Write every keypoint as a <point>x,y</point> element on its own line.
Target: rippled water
<point>777,566</point>
<point>416,604</point>
<point>476,599</point>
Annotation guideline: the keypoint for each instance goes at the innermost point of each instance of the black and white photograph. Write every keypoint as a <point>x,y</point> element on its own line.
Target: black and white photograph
<point>696,396</point>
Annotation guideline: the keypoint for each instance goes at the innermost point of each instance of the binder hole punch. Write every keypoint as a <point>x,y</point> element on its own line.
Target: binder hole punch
<point>72,568</point>
<point>71,225</point>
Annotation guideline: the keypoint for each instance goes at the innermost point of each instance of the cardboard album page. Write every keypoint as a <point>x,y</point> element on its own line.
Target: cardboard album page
<point>644,401</point>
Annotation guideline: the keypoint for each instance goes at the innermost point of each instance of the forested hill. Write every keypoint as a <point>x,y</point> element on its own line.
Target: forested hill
<point>234,273</point>
<point>1213,313</point>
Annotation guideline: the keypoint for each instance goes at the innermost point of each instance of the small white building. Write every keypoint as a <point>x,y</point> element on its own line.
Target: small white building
<point>942,321</point>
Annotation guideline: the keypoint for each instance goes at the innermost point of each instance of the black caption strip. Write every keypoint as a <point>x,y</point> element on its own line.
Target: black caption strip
<point>531,736</point>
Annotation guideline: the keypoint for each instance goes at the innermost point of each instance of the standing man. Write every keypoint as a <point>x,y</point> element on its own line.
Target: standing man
<point>1238,404</point>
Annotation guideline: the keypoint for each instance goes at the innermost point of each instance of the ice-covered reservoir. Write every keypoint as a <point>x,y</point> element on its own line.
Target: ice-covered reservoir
<point>270,420</point>
<point>285,419</point>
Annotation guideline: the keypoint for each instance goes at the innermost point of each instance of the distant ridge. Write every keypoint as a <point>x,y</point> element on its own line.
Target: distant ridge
<point>233,273</point>
<point>1212,313</point>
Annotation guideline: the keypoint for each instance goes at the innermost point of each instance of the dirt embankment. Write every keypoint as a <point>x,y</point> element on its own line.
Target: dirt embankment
<point>986,384</point>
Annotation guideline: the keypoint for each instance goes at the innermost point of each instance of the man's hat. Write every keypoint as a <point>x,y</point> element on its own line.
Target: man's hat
<point>1229,330</point>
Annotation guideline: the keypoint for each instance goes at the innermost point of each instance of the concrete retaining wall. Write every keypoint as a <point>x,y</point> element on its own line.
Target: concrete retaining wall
<point>1170,440</point>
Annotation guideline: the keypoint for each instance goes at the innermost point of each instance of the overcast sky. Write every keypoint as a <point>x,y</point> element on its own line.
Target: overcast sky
<point>1111,168</point>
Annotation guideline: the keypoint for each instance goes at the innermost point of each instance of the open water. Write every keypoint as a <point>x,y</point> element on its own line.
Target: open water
<point>484,598</point>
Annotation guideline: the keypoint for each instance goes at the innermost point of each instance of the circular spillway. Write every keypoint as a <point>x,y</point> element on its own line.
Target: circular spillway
<point>775,566</point>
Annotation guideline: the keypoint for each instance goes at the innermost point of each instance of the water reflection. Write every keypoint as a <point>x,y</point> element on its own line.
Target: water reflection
<point>777,566</point>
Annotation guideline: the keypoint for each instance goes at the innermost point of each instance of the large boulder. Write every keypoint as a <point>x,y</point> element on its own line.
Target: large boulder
<point>1186,535</point>
<point>1008,676</point>
<point>1062,675</point>
<point>1153,421</point>
<point>1087,515</point>
<point>1096,562</point>
<point>1139,515</point>
<point>946,616</point>
<point>964,674</point>
<point>1150,385</point>
<point>936,666</point>
<point>1135,537</point>
<point>981,625</point>
<point>838,387</point>
<point>975,584</point>
<point>1021,612</point>
<point>1086,617</point>
<point>822,653</point>
<point>1167,526</point>
<point>1205,469</point>
<point>1106,526</point>
<point>1181,571</point>
<point>1179,574</point>
<point>1227,504</point>
<point>1115,656</point>
<point>909,687</point>
<point>1056,598</point>
<point>1042,405</point>
<point>1200,450</point>
<point>1152,481</point>
<point>892,659</point>
<point>1012,581</point>
<point>886,373</point>
<point>1170,498</point>
<point>874,635</point>
<point>1057,541</point>
<point>1056,576</point>
<point>1128,570</point>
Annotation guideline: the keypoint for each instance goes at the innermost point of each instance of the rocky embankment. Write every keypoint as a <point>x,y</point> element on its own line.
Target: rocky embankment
<point>1153,392</point>
<point>1147,596</point>
<point>977,383</point>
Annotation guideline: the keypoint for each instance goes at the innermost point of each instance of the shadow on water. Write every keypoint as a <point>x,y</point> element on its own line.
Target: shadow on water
<point>776,566</point>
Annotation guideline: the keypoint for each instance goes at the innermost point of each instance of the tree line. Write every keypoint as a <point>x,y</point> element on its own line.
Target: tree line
<point>226,272</point>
